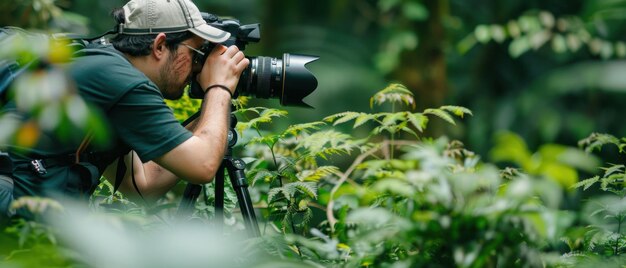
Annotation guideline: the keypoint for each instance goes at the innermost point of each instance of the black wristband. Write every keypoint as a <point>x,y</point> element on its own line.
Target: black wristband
<point>219,86</point>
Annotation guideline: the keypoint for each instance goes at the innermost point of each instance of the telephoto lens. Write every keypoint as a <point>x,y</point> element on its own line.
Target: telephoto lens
<point>286,79</point>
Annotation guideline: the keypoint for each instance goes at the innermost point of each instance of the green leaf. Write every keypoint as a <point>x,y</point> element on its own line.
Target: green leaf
<point>390,119</point>
<point>457,110</point>
<point>415,11</point>
<point>274,192</point>
<point>586,183</point>
<point>613,169</point>
<point>307,217</point>
<point>482,33</point>
<point>362,119</point>
<point>564,175</point>
<point>511,147</point>
<point>263,175</point>
<point>302,128</point>
<point>325,143</point>
<point>418,120</point>
<point>343,117</point>
<point>519,46</point>
<point>386,5</point>
<point>265,115</point>
<point>393,93</point>
<point>308,188</point>
<point>441,114</point>
<point>394,186</point>
<point>270,140</point>
<point>318,173</point>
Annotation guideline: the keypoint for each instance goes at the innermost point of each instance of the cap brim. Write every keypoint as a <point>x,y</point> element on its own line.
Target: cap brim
<point>210,33</point>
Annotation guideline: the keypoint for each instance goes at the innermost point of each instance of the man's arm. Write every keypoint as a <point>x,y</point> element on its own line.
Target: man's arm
<point>198,158</point>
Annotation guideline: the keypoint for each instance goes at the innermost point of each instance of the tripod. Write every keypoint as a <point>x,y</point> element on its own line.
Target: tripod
<point>235,168</point>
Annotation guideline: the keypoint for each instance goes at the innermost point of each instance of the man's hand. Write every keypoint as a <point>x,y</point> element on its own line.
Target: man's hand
<point>223,67</point>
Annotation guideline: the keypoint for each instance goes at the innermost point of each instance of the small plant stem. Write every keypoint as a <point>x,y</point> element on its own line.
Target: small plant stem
<point>280,177</point>
<point>292,203</point>
<point>620,219</point>
<point>393,134</point>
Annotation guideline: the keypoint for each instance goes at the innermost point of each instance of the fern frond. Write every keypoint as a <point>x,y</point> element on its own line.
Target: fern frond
<point>308,188</point>
<point>341,117</point>
<point>408,130</point>
<point>274,192</point>
<point>586,183</point>
<point>393,93</point>
<point>241,102</point>
<point>302,128</point>
<point>318,173</point>
<point>265,115</point>
<point>597,140</point>
<point>307,217</point>
<point>320,140</point>
<point>390,119</point>
<point>613,169</point>
<point>359,118</point>
<point>418,120</point>
<point>362,119</point>
<point>107,184</point>
<point>263,175</point>
<point>269,140</point>
<point>441,114</point>
<point>326,152</point>
<point>256,110</point>
<point>459,111</point>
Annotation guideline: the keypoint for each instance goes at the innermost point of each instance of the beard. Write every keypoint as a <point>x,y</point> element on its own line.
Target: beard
<point>169,83</point>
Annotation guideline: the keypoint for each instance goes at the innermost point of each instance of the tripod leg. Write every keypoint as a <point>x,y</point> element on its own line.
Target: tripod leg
<point>219,197</point>
<point>186,205</point>
<point>235,168</point>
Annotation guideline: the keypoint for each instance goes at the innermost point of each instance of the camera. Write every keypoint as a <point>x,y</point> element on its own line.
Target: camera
<point>286,78</point>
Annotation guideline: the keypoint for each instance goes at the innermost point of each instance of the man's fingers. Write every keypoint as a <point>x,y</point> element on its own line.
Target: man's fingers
<point>243,64</point>
<point>231,51</point>
<point>239,56</point>
<point>219,49</point>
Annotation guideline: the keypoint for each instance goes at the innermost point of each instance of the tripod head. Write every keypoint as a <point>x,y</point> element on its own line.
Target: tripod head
<point>232,134</point>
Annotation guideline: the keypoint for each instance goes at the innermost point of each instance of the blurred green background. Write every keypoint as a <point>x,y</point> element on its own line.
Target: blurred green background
<point>551,71</point>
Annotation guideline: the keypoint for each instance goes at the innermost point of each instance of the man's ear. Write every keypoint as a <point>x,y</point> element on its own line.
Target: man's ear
<point>159,49</point>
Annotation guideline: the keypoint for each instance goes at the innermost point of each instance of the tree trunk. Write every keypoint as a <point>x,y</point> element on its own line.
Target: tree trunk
<point>423,70</point>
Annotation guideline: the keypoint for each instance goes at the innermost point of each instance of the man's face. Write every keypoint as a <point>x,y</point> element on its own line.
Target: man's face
<point>177,71</point>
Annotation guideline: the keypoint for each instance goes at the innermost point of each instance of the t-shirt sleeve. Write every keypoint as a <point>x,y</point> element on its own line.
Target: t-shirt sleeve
<point>146,124</point>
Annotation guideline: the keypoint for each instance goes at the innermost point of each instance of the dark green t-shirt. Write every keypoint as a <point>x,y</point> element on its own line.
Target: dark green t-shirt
<point>134,110</point>
<point>139,116</point>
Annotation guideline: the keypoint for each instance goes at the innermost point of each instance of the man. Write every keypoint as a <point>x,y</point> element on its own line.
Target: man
<point>154,56</point>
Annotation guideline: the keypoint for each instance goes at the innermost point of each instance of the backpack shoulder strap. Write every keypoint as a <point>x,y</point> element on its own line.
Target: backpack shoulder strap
<point>121,164</point>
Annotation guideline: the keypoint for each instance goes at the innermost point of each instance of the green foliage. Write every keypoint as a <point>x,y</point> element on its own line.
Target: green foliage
<point>41,14</point>
<point>396,122</point>
<point>185,107</point>
<point>558,163</point>
<point>606,214</point>
<point>435,203</point>
<point>537,29</point>
<point>399,38</point>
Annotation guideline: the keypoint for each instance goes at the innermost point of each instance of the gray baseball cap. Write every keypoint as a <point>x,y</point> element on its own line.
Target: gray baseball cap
<point>168,16</point>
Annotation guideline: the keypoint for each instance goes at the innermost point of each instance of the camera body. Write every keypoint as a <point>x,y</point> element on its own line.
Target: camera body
<point>286,78</point>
